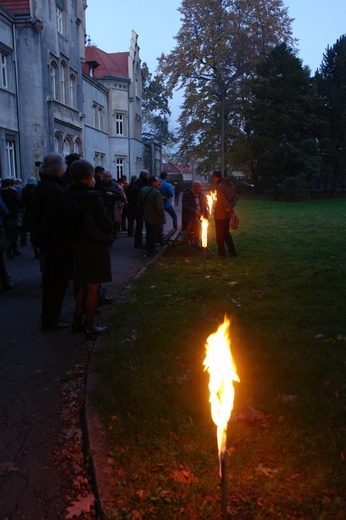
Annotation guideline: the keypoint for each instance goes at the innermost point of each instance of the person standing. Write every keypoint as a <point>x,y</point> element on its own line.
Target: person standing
<point>50,237</point>
<point>150,203</point>
<point>133,202</point>
<point>194,207</point>
<point>92,264</point>
<point>4,278</point>
<point>176,194</point>
<point>11,198</point>
<point>167,192</point>
<point>27,205</point>
<point>226,199</point>
<point>132,197</point>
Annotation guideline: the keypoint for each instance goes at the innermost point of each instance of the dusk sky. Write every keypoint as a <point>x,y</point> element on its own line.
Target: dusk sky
<point>318,24</point>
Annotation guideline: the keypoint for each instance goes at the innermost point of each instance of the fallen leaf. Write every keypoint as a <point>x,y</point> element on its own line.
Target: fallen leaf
<point>83,505</point>
<point>183,476</point>
<point>266,471</point>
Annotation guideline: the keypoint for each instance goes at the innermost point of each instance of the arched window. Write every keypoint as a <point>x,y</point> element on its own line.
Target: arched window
<point>63,80</point>
<point>73,91</point>
<point>58,145</point>
<point>54,74</point>
<point>77,146</point>
<point>68,146</point>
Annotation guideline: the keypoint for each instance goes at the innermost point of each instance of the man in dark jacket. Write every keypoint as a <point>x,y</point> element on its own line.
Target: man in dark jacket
<point>132,197</point>
<point>50,237</point>
<point>194,207</point>
<point>226,199</point>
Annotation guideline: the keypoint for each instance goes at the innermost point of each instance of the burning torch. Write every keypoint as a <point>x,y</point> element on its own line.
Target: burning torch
<point>219,364</point>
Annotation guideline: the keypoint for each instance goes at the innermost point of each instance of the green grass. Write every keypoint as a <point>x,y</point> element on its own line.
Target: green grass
<point>285,294</point>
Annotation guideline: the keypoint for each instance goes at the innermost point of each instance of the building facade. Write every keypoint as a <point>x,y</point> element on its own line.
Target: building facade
<point>55,93</point>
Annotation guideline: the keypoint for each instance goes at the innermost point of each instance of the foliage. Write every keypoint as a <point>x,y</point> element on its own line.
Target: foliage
<point>285,293</point>
<point>155,107</point>
<point>331,85</point>
<point>218,46</point>
<point>282,126</point>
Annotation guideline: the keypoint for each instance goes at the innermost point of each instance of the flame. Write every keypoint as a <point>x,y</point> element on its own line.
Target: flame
<point>204,233</point>
<point>220,365</point>
<point>210,201</point>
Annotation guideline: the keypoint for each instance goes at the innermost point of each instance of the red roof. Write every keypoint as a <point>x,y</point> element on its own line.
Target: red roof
<point>115,64</point>
<point>16,6</point>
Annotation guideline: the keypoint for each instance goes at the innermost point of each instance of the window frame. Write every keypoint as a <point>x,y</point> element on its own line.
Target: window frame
<point>119,123</point>
<point>60,21</point>
<point>4,71</point>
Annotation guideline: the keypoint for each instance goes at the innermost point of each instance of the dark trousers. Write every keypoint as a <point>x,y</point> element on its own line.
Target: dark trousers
<point>153,233</point>
<point>3,273</point>
<point>56,271</point>
<point>138,231</point>
<point>131,218</point>
<point>223,236</point>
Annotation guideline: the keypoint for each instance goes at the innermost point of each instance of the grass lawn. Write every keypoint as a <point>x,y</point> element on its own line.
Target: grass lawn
<point>285,295</point>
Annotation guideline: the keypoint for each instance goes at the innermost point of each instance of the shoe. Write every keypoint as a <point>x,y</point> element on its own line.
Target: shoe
<point>57,326</point>
<point>92,332</point>
<point>7,287</point>
<point>139,246</point>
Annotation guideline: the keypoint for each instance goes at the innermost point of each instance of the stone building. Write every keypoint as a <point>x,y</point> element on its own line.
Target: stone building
<point>56,93</point>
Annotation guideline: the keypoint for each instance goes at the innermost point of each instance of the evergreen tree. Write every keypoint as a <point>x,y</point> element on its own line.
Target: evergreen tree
<point>331,86</point>
<point>218,46</point>
<point>282,126</point>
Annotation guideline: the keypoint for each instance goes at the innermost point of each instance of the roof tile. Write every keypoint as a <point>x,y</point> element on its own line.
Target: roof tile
<point>115,64</point>
<point>16,6</point>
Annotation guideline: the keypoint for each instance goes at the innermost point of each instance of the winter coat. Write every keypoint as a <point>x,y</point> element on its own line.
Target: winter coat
<point>50,220</point>
<point>150,201</point>
<point>189,207</point>
<point>226,199</point>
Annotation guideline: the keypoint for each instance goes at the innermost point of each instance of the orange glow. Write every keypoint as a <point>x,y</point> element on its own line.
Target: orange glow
<point>211,198</point>
<point>219,364</point>
<point>204,233</point>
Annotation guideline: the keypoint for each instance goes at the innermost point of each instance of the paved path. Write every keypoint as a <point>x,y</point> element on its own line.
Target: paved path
<point>34,367</point>
<point>37,370</point>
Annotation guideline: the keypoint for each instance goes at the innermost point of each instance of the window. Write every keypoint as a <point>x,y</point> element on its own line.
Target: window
<point>67,146</point>
<point>11,158</point>
<point>3,78</point>
<point>73,90</point>
<point>58,146</point>
<point>119,124</point>
<point>98,114</point>
<point>77,146</point>
<point>99,158</point>
<point>120,167</point>
<point>54,74</point>
<point>63,79</point>
<point>59,21</point>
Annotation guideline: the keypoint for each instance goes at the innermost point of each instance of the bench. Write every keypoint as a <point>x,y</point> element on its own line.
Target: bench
<point>177,237</point>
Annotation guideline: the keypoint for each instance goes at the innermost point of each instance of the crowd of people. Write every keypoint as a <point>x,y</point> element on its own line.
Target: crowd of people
<point>72,216</point>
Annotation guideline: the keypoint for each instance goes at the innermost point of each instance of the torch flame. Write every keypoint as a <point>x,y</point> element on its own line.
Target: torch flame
<point>210,201</point>
<point>220,365</point>
<point>204,232</point>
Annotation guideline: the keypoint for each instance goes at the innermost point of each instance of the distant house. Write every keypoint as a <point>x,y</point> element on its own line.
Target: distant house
<point>58,94</point>
<point>178,173</point>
